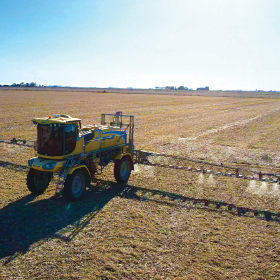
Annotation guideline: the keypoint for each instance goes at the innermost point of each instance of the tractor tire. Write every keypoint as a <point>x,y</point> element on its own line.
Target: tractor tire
<point>38,181</point>
<point>75,185</point>
<point>122,170</point>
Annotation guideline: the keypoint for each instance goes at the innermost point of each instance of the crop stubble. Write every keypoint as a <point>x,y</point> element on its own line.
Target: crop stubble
<point>137,237</point>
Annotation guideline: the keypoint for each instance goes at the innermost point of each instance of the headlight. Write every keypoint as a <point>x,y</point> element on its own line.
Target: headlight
<point>30,162</point>
<point>49,166</point>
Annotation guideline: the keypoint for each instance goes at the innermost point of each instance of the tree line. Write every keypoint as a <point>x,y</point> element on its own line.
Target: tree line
<point>177,88</point>
<point>180,88</point>
<point>32,84</point>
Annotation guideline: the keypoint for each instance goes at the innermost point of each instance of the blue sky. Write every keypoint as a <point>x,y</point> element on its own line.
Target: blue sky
<point>223,44</point>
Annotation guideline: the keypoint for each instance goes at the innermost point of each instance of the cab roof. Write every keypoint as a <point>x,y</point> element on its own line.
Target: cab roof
<point>62,119</point>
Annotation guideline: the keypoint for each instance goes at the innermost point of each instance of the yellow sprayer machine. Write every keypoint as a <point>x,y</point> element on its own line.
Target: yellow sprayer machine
<point>76,153</point>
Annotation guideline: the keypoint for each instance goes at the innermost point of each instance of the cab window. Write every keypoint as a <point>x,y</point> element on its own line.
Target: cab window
<point>50,139</point>
<point>71,133</point>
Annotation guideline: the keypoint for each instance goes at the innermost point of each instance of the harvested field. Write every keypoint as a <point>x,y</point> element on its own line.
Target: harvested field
<point>119,232</point>
<point>211,93</point>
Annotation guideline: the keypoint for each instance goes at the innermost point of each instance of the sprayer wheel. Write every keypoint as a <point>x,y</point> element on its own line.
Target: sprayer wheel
<point>122,170</point>
<point>75,185</point>
<point>38,181</point>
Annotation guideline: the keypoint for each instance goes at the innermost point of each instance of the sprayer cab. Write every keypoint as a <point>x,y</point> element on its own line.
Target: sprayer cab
<point>57,136</point>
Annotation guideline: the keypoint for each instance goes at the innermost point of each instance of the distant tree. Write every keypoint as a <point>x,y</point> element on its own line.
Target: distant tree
<point>22,84</point>
<point>170,87</point>
<point>182,88</point>
<point>32,84</point>
<point>203,88</point>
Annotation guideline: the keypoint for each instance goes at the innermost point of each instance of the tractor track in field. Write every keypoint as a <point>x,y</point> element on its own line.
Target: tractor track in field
<point>227,126</point>
<point>14,166</point>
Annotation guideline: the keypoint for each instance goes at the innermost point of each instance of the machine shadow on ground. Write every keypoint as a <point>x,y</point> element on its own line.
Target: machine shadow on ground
<point>25,221</point>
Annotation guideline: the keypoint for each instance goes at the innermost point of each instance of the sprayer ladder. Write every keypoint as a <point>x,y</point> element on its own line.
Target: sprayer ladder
<point>63,174</point>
